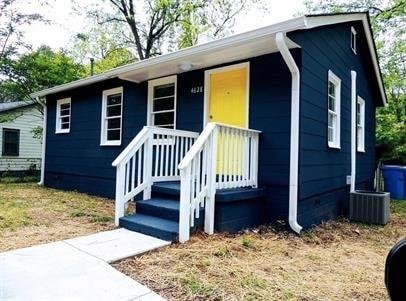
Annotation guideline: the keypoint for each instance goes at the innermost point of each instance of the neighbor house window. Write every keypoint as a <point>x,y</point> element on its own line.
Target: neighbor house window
<point>162,102</point>
<point>63,115</point>
<point>360,125</point>
<point>354,40</point>
<point>334,92</point>
<point>112,111</point>
<point>11,142</point>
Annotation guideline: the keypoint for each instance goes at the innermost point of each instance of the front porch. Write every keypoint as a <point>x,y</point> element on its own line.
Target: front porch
<point>180,179</point>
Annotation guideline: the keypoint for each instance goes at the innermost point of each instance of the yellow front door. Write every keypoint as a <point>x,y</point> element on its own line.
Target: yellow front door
<point>228,105</point>
<point>228,97</point>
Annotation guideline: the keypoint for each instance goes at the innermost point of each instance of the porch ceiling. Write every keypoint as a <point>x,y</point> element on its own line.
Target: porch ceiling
<point>211,56</point>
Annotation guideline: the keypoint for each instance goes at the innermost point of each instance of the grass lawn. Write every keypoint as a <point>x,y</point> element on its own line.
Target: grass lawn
<point>30,215</point>
<point>335,261</point>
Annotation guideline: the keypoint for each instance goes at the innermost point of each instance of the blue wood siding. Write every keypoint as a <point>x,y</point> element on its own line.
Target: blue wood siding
<point>76,161</point>
<point>323,170</point>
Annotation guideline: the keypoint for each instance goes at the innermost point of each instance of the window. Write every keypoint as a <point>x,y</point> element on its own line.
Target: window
<point>11,142</point>
<point>63,115</point>
<point>162,102</point>
<point>334,95</point>
<point>360,125</point>
<point>112,110</point>
<point>354,40</point>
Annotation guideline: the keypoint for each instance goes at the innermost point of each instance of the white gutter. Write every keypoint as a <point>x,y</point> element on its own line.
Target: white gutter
<point>353,128</point>
<point>294,130</point>
<point>44,142</point>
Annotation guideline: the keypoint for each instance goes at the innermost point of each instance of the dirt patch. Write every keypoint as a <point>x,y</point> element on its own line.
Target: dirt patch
<point>30,215</point>
<point>336,261</point>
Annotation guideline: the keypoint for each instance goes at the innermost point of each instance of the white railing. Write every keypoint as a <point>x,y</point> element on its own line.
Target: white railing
<point>152,156</point>
<point>222,157</point>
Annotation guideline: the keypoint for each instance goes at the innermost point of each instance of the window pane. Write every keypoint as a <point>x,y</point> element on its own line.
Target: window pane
<point>330,120</point>
<point>65,106</point>
<point>331,103</point>
<point>164,104</point>
<point>331,88</point>
<point>330,134</point>
<point>114,99</point>
<point>65,126</point>
<point>113,123</point>
<point>113,111</point>
<point>163,118</point>
<point>164,90</point>
<point>11,142</point>
<point>113,135</point>
<point>65,119</point>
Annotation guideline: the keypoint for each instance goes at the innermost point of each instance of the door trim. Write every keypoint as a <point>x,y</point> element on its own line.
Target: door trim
<point>207,74</point>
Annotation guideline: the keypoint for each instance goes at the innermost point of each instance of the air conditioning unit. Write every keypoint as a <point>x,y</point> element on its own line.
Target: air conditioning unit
<point>370,207</point>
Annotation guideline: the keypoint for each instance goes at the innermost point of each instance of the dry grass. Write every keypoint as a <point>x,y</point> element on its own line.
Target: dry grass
<point>336,261</point>
<point>31,215</point>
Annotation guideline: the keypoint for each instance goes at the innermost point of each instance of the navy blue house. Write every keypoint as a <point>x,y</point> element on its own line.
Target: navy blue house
<point>295,101</point>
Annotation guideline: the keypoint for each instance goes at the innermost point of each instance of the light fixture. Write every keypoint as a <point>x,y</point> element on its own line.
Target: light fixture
<point>185,66</point>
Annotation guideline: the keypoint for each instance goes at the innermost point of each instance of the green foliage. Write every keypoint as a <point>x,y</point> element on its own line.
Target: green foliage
<point>35,71</point>
<point>389,23</point>
<point>37,132</point>
<point>104,44</point>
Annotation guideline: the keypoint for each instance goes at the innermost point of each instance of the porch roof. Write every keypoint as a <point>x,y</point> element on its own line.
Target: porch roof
<point>232,48</point>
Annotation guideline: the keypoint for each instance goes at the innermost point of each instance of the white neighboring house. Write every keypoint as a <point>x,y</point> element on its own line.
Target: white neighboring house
<point>20,151</point>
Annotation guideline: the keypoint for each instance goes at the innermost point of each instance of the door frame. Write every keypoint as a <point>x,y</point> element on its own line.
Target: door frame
<point>207,74</point>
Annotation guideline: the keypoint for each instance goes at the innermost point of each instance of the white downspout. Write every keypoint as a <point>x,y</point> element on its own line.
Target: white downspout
<point>353,128</point>
<point>294,131</point>
<point>44,142</point>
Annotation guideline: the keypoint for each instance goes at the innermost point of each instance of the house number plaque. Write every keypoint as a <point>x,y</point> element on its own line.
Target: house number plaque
<point>195,90</point>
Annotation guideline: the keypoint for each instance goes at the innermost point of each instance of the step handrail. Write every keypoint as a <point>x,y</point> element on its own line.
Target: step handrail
<point>152,156</point>
<point>223,156</point>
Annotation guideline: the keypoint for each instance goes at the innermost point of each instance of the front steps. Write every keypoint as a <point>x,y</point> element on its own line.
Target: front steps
<point>159,216</point>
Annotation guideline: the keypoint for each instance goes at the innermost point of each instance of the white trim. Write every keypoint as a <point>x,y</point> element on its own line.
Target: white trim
<point>58,126</point>
<point>353,38</point>
<point>158,82</point>
<point>294,131</point>
<point>103,129</point>
<point>299,23</point>
<point>353,130</point>
<point>201,49</point>
<point>44,142</point>
<point>361,144</point>
<point>207,73</point>
<point>336,143</point>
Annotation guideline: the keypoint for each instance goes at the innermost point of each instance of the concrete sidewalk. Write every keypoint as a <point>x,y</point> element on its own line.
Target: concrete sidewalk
<point>76,269</point>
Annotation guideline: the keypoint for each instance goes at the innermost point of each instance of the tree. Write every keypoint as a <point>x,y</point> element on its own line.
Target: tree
<point>11,20</point>
<point>105,45</point>
<point>388,22</point>
<point>155,24</point>
<point>35,71</point>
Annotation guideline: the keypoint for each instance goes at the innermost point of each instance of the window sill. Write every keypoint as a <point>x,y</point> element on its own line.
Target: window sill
<point>62,132</point>
<point>360,150</point>
<point>334,146</point>
<point>110,143</point>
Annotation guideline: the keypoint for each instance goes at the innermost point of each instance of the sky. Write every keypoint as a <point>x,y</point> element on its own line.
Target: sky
<point>65,22</point>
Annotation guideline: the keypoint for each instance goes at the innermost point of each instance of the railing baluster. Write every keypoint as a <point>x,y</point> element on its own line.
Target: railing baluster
<point>176,154</point>
<point>133,173</point>
<point>166,143</point>
<point>161,156</point>
<point>156,147</point>
<point>139,165</point>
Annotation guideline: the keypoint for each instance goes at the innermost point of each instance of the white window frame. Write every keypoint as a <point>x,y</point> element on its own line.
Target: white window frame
<point>361,125</point>
<point>337,103</point>
<point>353,41</point>
<point>158,82</point>
<point>103,134</point>
<point>58,124</point>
